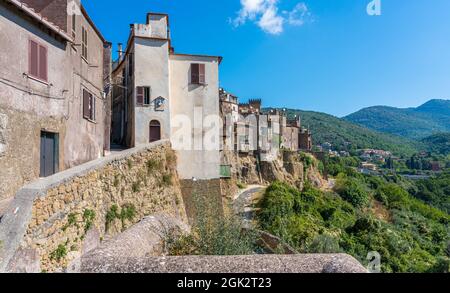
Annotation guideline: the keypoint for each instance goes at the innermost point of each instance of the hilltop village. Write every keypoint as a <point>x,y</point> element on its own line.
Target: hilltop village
<point>64,102</point>
<point>145,162</point>
<point>90,146</point>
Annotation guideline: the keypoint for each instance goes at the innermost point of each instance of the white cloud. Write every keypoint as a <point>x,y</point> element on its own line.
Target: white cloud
<point>271,22</point>
<point>299,15</point>
<point>265,14</point>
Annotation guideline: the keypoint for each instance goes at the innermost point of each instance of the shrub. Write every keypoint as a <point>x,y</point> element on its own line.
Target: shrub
<point>351,190</point>
<point>116,180</point>
<point>152,165</point>
<point>324,244</point>
<point>59,253</point>
<point>111,215</point>
<point>241,185</point>
<point>88,218</point>
<point>129,164</point>
<point>71,221</point>
<point>213,234</point>
<point>136,186</point>
<point>128,212</point>
<point>171,158</point>
<point>167,180</point>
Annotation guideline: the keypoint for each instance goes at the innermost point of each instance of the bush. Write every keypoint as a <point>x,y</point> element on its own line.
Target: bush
<point>136,186</point>
<point>111,215</point>
<point>213,234</point>
<point>128,212</point>
<point>88,218</point>
<point>324,244</point>
<point>152,165</point>
<point>241,185</point>
<point>59,253</point>
<point>167,180</point>
<point>351,190</point>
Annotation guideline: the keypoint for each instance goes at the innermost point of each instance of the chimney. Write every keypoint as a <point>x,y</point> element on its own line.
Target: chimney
<point>120,51</point>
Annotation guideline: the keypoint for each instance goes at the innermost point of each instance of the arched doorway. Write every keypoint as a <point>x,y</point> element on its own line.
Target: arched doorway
<point>155,131</point>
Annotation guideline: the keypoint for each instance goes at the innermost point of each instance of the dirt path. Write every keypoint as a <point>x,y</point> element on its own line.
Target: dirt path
<point>244,203</point>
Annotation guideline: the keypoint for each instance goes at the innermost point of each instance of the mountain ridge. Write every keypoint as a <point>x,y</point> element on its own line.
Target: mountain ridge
<point>413,123</point>
<point>347,136</point>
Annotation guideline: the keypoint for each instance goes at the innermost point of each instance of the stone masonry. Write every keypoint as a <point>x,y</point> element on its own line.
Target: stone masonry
<point>51,220</point>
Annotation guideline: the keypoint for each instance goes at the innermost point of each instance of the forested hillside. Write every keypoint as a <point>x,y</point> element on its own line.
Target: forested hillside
<point>413,123</point>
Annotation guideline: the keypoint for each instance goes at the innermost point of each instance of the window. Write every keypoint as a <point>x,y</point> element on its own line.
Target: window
<point>37,63</point>
<point>84,43</point>
<point>198,73</point>
<point>74,25</point>
<point>143,94</point>
<point>88,105</point>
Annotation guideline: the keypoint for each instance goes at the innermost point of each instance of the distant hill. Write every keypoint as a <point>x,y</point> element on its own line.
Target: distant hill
<point>344,135</point>
<point>438,143</point>
<point>413,123</point>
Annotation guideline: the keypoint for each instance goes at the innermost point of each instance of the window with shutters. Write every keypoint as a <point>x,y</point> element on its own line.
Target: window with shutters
<point>37,61</point>
<point>84,43</point>
<point>88,105</point>
<point>198,75</point>
<point>143,95</point>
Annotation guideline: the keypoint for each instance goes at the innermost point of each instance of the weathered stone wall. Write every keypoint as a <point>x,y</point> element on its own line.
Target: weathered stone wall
<point>19,147</point>
<point>107,196</point>
<point>194,191</point>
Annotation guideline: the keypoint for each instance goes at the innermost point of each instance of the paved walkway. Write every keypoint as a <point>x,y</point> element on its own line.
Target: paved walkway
<point>4,205</point>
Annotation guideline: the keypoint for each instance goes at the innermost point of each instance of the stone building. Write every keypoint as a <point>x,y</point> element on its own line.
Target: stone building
<point>272,125</point>
<point>305,140</point>
<point>291,132</point>
<point>161,94</point>
<point>53,104</point>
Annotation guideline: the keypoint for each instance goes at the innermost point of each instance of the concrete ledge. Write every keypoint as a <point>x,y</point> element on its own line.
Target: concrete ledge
<point>302,263</point>
<point>144,239</point>
<point>17,216</point>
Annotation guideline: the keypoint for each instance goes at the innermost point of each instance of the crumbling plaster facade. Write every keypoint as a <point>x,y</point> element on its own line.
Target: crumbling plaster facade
<point>29,106</point>
<point>150,61</point>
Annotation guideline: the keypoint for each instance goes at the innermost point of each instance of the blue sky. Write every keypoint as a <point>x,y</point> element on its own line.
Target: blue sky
<point>322,55</point>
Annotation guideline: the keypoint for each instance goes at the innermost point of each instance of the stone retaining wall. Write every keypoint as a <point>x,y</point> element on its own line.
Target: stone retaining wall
<point>49,220</point>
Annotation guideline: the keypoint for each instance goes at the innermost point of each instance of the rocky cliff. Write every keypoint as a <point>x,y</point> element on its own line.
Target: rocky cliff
<point>291,167</point>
